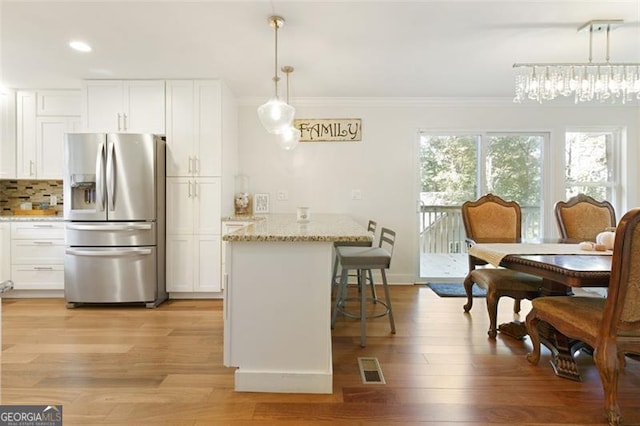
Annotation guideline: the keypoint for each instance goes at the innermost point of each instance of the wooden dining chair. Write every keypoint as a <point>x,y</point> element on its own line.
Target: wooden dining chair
<point>582,218</point>
<point>611,326</point>
<point>490,219</point>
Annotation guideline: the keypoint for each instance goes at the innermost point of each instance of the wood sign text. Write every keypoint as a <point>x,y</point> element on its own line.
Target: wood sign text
<point>329,129</point>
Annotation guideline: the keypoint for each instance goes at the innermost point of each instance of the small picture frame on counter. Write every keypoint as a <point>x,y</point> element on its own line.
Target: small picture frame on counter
<point>261,203</point>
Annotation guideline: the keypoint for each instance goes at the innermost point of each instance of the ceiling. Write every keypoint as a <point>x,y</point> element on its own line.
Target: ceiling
<point>338,49</point>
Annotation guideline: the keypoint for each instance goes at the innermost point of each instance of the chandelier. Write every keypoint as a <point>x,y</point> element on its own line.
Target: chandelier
<point>602,81</point>
<point>276,115</point>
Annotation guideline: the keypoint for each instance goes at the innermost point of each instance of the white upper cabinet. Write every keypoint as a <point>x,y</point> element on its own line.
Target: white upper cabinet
<point>40,135</point>
<point>124,106</point>
<point>194,128</point>
<point>58,103</point>
<point>50,144</point>
<point>8,135</point>
<point>26,134</point>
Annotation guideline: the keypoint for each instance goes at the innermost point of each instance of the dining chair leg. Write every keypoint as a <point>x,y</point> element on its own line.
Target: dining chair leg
<point>606,360</point>
<point>516,306</point>
<point>532,329</point>
<point>492,308</point>
<point>468,289</point>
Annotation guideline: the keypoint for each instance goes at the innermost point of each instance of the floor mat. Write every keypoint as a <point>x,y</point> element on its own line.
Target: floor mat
<point>454,290</point>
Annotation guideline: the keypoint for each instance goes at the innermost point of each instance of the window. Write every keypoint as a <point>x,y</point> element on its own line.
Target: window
<point>590,164</point>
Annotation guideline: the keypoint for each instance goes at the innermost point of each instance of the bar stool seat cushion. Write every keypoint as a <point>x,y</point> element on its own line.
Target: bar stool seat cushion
<point>366,257</point>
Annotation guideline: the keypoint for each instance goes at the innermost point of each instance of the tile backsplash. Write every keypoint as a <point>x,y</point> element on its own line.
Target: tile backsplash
<point>15,192</point>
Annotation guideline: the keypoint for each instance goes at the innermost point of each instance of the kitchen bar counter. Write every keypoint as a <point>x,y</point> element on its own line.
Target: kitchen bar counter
<point>283,227</point>
<point>277,308</point>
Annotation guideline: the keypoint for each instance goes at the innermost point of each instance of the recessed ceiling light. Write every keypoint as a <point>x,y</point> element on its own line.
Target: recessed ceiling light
<point>80,46</point>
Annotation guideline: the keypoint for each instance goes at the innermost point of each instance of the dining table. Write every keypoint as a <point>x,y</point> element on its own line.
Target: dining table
<point>562,267</point>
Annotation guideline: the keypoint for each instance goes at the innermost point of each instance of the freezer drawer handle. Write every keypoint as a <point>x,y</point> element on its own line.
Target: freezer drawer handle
<point>137,227</point>
<point>108,253</point>
<point>43,268</point>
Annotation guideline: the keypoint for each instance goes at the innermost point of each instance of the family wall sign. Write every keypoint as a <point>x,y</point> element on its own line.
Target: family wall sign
<point>329,129</point>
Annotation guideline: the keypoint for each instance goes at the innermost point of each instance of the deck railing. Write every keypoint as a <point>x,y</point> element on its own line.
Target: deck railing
<point>442,230</point>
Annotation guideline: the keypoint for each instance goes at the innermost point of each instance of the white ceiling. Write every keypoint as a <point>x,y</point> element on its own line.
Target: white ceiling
<point>339,49</point>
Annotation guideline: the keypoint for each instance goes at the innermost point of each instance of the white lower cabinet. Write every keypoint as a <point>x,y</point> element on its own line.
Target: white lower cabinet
<point>193,235</point>
<point>193,263</point>
<point>5,251</point>
<point>37,255</point>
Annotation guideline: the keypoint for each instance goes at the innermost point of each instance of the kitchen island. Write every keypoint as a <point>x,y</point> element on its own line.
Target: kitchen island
<point>277,308</point>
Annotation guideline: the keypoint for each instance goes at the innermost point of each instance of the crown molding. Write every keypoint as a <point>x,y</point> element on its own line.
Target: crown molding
<point>373,102</point>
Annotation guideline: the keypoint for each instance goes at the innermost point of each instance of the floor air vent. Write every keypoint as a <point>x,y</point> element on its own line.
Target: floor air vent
<point>370,371</point>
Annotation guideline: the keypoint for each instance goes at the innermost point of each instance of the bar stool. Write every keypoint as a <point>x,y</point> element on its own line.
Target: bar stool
<point>365,259</point>
<point>371,228</point>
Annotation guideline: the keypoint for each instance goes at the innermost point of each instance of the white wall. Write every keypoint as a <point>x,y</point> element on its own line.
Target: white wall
<point>384,167</point>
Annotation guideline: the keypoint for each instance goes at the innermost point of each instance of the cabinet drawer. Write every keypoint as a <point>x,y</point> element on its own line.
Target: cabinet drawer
<point>37,230</point>
<point>41,251</point>
<point>38,277</point>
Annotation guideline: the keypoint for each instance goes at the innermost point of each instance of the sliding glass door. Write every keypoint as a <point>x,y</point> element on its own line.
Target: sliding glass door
<point>455,168</point>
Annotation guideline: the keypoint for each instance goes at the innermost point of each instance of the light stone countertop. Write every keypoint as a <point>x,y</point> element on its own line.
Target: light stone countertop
<point>31,218</point>
<point>245,218</point>
<point>283,227</point>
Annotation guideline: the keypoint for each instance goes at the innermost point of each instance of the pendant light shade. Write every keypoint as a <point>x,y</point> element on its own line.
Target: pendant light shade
<point>289,138</point>
<point>276,115</point>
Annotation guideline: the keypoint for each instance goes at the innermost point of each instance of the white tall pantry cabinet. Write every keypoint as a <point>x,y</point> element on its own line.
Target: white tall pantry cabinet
<point>201,163</point>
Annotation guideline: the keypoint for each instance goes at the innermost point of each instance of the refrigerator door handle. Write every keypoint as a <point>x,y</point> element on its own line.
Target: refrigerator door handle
<point>100,189</point>
<point>114,227</point>
<point>111,177</point>
<point>108,253</point>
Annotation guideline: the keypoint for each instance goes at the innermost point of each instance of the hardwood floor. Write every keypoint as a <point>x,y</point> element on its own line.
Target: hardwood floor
<point>137,366</point>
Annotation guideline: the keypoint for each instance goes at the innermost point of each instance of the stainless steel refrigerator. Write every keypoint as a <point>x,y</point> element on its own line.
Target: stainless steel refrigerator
<point>114,209</point>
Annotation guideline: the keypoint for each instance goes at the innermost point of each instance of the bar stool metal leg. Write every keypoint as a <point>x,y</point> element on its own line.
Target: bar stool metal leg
<point>363,306</point>
<point>388,301</point>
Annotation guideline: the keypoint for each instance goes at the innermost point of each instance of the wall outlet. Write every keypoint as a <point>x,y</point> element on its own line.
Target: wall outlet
<point>53,200</point>
<point>282,195</point>
<point>356,194</point>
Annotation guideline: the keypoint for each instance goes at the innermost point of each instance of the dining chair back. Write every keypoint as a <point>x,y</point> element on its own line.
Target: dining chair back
<point>490,219</point>
<point>582,217</point>
<point>611,326</point>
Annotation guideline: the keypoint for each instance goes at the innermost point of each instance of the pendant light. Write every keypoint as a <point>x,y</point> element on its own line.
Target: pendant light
<point>290,136</point>
<point>276,115</point>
